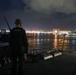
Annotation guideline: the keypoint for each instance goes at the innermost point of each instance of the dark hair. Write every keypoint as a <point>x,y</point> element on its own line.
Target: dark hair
<point>18,21</point>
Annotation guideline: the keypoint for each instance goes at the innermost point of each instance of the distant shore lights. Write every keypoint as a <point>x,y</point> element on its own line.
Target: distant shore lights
<point>39,32</point>
<point>55,31</point>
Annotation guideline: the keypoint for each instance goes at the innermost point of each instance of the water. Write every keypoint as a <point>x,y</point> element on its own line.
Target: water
<point>50,42</point>
<point>41,41</point>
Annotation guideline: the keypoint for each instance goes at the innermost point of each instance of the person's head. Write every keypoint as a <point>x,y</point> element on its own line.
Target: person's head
<point>18,22</point>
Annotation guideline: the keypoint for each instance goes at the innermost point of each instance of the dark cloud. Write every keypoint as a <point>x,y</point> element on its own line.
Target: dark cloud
<point>4,5</point>
<point>35,15</point>
<point>50,6</point>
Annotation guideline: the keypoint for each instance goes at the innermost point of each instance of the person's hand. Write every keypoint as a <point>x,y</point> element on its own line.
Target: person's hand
<point>25,56</point>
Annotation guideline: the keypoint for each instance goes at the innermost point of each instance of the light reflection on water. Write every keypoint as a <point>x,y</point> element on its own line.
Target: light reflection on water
<point>40,41</point>
<point>49,41</point>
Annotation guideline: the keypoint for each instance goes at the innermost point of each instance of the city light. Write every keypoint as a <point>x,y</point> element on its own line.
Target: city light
<point>39,31</point>
<point>55,31</point>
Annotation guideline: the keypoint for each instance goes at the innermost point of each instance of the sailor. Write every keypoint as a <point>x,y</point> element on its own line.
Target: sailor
<point>19,46</point>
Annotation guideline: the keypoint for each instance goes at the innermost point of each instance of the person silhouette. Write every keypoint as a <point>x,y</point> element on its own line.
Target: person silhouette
<point>19,45</point>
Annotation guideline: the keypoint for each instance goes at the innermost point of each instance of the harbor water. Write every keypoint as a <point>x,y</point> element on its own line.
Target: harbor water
<point>47,41</point>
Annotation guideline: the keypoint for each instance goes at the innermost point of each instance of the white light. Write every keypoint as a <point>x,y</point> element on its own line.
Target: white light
<point>7,30</point>
<point>57,54</point>
<point>48,57</point>
<point>39,32</point>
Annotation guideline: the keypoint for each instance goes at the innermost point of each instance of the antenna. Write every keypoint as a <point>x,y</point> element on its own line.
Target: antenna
<point>7,23</point>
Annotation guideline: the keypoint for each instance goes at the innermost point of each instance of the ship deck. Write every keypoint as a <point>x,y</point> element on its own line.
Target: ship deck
<point>64,64</point>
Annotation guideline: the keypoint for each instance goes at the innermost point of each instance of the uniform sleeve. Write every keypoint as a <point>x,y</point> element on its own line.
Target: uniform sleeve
<point>10,38</point>
<point>25,41</point>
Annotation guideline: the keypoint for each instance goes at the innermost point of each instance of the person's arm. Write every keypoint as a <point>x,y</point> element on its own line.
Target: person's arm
<point>10,38</point>
<point>25,42</point>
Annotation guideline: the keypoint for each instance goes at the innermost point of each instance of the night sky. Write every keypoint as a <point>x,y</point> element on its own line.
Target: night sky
<point>39,14</point>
